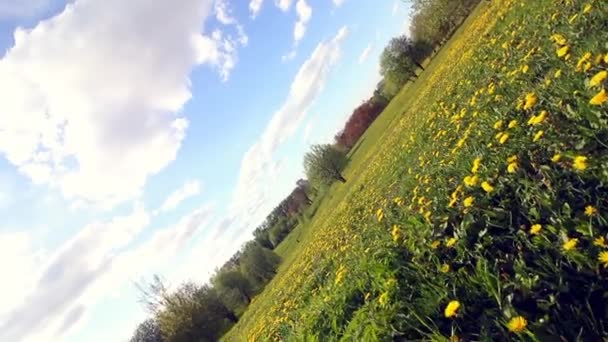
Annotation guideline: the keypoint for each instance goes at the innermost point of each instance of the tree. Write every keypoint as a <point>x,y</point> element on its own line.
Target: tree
<point>193,313</point>
<point>234,280</point>
<point>400,59</point>
<point>147,331</point>
<point>323,164</point>
<point>259,264</point>
<point>190,313</point>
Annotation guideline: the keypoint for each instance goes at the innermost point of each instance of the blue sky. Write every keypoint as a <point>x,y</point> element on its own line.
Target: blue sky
<point>141,137</point>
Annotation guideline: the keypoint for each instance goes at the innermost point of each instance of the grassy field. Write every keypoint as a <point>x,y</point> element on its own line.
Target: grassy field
<point>475,207</point>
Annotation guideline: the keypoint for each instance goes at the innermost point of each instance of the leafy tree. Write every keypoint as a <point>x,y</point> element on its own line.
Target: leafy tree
<point>259,264</point>
<point>236,281</point>
<point>400,59</point>
<point>147,331</point>
<point>323,164</point>
<point>191,313</point>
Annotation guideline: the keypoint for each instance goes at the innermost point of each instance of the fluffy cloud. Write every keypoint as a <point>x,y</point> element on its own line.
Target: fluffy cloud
<point>256,193</point>
<point>283,5</point>
<point>338,3</point>
<point>304,12</point>
<point>188,190</point>
<point>90,96</point>
<point>50,300</point>
<point>222,12</point>
<point>67,277</point>
<point>254,7</point>
<point>365,54</point>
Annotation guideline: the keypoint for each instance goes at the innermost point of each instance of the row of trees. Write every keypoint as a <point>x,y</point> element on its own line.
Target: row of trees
<point>204,313</point>
<point>433,23</point>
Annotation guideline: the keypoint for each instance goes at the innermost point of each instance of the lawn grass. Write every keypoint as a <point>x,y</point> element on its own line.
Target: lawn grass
<point>413,247</point>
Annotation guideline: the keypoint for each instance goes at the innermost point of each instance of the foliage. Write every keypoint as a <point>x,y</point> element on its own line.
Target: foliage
<point>147,331</point>
<point>323,164</point>
<point>258,264</point>
<point>361,118</point>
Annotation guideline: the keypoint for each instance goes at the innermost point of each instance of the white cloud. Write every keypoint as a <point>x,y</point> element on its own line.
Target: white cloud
<point>365,54</point>
<point>89,93</point>
<point>49,300</point>
<point>254,7</point>
<point>189,189</point>
<point>304,12</point>
<point>22,8</point>
<point>257,190</point>
<point>338,3</point>
<point>283,5</point>
<point>223,12</point>
<point>53,302</point>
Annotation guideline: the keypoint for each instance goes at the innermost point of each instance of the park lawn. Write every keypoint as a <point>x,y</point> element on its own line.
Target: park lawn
<point>475,204</point>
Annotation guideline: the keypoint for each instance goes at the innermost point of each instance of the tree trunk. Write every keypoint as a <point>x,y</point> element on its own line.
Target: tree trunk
<point>419,65</point>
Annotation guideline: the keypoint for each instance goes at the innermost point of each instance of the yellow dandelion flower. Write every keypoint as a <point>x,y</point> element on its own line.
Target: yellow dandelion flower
<point>445,268</point>
<point>435,244</point>
<point>538,119</point>
<point>587,8</point>
<point>512,124</point>
<point>558,73</point>
<point>599,98</point>
<point>525,68</point>
<point>396,233</point>
<point>537,136</point>
<point>498,124</point>
<point>451,242</point>
<point>556,158</point>
<point>452,309</point>
<point>487,187</point>
<point>530,101</point>
<point>590,211</point>
<point>471,180</point>
<point>383,299</point>
<point>600,241</point>
<point>468,201</point>
<point>570,244</point>
<point>453,202</point>
<point>512,159</point>
<point>606,58</point>
<point>380,215</point>
<point>586,57</point>
<point>580,163</point>
<point>535,229</point>
<point>603,258</point>
<point>476,165</point>
<point>563,51</point>
<point>559,39</point>
<point>598,78</point>
<point>503,138</point>
<point>517,324</point>
<point>512,167</point>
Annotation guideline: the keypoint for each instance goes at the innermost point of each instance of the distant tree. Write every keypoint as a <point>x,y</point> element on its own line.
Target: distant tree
<point>193,313</point>
<point>324,163</point>
<point>259,264</point>
<point>400,59</point>
<point>147,331</point>
<point>190,313</point>
<point>359,121</point>
<point>236,281</point>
